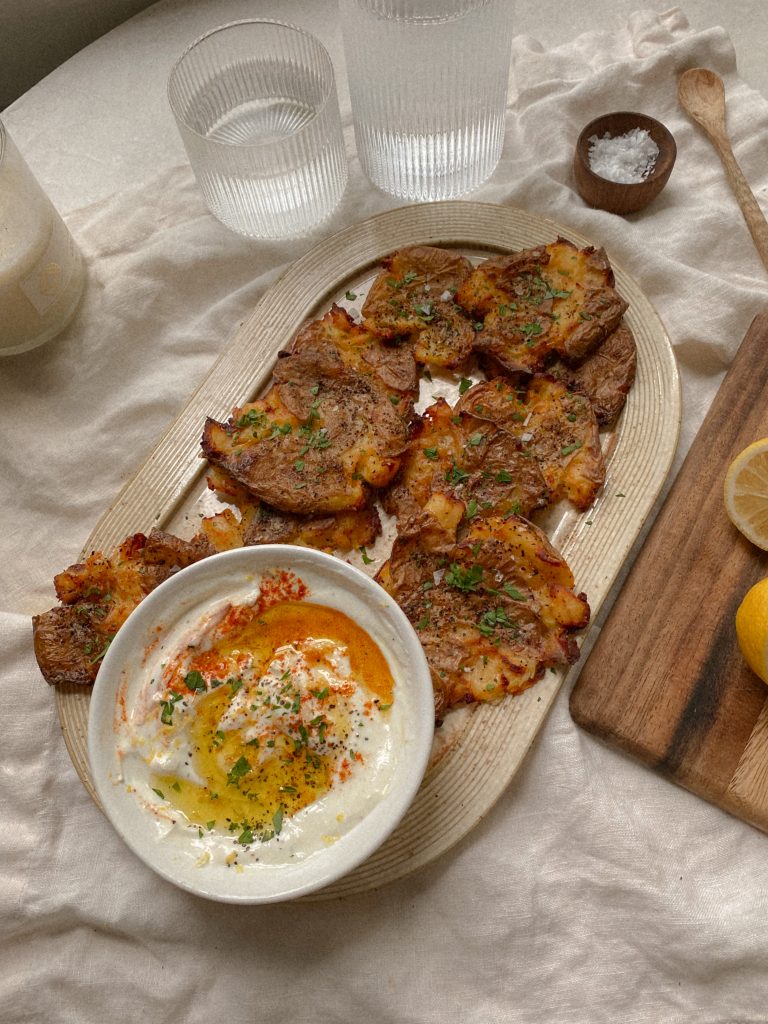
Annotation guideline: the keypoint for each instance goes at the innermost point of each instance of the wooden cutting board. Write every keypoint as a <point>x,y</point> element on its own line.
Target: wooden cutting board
<point>665,681</point>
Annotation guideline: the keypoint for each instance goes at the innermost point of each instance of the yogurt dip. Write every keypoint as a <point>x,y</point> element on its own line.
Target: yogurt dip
<point>261,723</point>
<point>268,731</point>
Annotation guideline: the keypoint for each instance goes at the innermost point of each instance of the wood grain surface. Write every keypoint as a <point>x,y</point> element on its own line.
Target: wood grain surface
<point>665,680</point>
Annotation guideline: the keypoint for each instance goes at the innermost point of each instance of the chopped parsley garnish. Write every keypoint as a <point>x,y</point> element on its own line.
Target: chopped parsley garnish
<point>503,477</point>
<point>240,768</point>
<point>532,329</point>
<point>194,681</point>
<point>464,385</point>
<point>314,439</point>
<point>454,475</point>
<point>430,453</point>
<point>491,619</point>
<point>464,579</point>
<point>166,716</point>
<point>570,448</point>
<point>425,312</point>
<point>159,792</point>
<point>350,296</point>
<point>252,418</point>
<point>514,593</point>
<point>476,439</point>
<point>365,556</point>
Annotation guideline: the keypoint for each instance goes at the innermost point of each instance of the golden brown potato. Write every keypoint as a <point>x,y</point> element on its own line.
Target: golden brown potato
<point>413,297</point>
<point>319,441</point>
<point>260,524</point>
<point>458,455</point>
<point>551,300</point>
<point>97,596</point>
<point>363,351</point>
<point>605,376</point>
<point>554,426</point>
<point>493,608</point>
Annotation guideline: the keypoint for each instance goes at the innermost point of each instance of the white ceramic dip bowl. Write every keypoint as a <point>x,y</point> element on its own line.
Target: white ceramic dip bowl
<point>143,711</point>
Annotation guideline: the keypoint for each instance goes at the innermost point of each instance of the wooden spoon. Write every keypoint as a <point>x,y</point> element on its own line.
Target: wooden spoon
<point>701,94</point>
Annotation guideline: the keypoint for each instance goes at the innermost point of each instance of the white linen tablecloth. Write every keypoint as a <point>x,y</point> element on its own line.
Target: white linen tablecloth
<point>594,891</point>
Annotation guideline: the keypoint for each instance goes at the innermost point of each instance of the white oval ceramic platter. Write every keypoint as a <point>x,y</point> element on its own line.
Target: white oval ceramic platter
<point>477,751</point>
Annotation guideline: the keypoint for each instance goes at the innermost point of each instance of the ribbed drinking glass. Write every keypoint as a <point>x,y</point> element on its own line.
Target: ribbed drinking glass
<point>428,82</point>
<point>255,103</point>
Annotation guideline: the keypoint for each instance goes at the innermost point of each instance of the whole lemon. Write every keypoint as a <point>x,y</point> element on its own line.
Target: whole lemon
<point>752,628</point>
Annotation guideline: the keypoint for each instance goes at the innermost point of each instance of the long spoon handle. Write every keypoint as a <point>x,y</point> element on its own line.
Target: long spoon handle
<point>745,197</point>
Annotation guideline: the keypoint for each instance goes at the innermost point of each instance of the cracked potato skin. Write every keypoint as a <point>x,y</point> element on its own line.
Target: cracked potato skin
<point>262,524</point>
<point>535,305</point>
<point>96,596</point>
<point>458,455</point>
<point>413,298</point>
<point>319,442</point>
<point>554,426</point>
<point>493,606</point>
<point>362,350</point>
<point>605,376</point>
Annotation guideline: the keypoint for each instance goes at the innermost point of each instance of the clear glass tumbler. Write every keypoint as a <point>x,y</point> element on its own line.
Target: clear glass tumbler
<point>255,103</point>
<point>428,81</point>
<point>41,269</point>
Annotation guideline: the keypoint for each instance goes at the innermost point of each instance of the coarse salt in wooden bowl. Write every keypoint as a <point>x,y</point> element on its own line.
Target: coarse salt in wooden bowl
<point>622,197</point>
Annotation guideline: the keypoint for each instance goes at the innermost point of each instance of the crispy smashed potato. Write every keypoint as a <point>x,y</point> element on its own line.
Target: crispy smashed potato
<point>261,524</point>
<point>96,596</point>
<point>554,300</point>
<point>363,351</point>
<point>605,376</point>
<point>493,606</point>
<point>555,427</point>
<point>460,456</point>
<point>322,438</point>
<point>413,298</point>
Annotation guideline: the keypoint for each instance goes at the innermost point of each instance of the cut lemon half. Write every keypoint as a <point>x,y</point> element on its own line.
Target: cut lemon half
<point>752,628</point>
<point>746,492</point>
